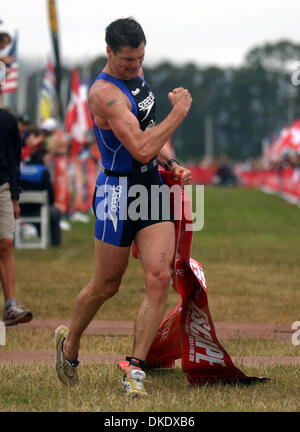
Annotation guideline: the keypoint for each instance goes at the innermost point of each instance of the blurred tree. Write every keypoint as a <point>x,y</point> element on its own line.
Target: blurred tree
<point>274,56</point>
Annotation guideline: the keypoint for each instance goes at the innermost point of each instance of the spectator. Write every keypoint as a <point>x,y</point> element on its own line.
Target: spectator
<point>10,149</point>
<point>33,140</point>
<point>24,128</point>
<point>225,173</point>
<point>57,142</point>
<point>36,176</point>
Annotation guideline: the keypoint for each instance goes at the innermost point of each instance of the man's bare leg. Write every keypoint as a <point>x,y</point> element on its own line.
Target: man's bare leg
<point>156,246</point>
<point>111,263</point>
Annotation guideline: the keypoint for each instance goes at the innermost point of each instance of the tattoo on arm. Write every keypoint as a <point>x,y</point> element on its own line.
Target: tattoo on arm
<point>163,257</point>
<point>128,125</point>
<point>111,102</point>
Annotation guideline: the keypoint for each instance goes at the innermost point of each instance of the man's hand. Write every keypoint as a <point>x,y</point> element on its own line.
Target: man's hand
<point>181,99</point>
<point>186,176</point>
<point>17,209</point>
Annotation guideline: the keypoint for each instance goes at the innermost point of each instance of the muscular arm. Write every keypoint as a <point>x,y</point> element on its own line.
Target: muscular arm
<point>165,154</point>
<point>111,110</point>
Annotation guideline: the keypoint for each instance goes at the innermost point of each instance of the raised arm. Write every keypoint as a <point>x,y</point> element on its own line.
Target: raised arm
<point>111,110</point>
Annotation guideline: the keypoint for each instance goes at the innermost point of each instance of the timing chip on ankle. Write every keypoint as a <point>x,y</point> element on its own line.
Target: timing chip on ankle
<point>133,361</point>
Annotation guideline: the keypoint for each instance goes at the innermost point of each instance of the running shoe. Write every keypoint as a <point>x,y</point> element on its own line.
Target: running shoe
<point>66,369</point>
<point>134,386</point>
<point>15,314</point>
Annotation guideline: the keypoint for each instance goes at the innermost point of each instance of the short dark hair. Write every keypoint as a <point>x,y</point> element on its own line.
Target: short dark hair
<point>124,32</point>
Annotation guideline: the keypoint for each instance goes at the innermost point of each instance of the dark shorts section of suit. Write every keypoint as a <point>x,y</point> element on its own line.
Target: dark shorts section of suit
<point>125,205</point>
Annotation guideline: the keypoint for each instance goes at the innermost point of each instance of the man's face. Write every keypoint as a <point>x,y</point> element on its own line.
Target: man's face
<point>126,63</point>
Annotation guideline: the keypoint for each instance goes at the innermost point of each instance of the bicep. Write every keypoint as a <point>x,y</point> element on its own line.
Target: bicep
<point>126,128</point>
<point>112,111</point>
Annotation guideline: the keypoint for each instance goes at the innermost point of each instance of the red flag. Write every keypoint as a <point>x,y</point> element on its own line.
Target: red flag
<point>294,142</point>
<point>76,120</point>
<point>84,91</point>
<point>287,141</point>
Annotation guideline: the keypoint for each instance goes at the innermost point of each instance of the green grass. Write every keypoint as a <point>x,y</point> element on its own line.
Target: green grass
<point>249,248</point>
<point>35,388</point>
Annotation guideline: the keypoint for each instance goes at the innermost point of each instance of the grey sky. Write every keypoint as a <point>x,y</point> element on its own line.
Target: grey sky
<point>204,32</point>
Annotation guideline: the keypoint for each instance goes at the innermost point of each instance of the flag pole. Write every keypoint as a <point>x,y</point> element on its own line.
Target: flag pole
<point>55,42</point>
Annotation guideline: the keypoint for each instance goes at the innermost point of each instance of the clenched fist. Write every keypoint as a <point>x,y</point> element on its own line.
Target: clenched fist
<point>181,99</point>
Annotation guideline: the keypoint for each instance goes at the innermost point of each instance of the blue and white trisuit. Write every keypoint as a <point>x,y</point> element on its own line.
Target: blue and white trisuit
<point>117,189</point>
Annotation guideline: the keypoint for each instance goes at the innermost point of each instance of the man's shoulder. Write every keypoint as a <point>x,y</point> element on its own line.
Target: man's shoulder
<point>103,89</point>
<point>102,93</point>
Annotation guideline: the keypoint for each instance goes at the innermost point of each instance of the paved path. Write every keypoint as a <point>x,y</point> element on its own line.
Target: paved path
<point>224,330</point>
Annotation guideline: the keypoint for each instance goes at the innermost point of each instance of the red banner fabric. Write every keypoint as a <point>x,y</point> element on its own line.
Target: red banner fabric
<point>188,332</point>
<point>286,180</point>
<point>61,183</point>
<point>202,175</point>
<point>74,183</point>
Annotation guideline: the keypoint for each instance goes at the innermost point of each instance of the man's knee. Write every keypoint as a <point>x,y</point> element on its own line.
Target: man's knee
<point>105,289</point>
<point>157,284</point>
<point>6,247</point>
<point>159,278</point>
<point>111,286</point>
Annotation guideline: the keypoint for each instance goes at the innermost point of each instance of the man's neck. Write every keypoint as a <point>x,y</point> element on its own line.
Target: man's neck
<point>108,70</point>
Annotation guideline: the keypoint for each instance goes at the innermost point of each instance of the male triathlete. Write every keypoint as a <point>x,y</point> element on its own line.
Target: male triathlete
<point>123,107</point>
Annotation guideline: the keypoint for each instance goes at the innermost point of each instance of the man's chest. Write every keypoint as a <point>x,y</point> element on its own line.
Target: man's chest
<point>144,100</point>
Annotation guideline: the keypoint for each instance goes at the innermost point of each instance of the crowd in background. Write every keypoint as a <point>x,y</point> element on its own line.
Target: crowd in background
<point>49,136</point>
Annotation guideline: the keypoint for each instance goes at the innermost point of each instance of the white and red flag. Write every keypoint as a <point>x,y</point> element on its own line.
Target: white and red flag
<point>293,140</point>
<point>77,121</point>
<point>288,141</point>
<point>84,91</point>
